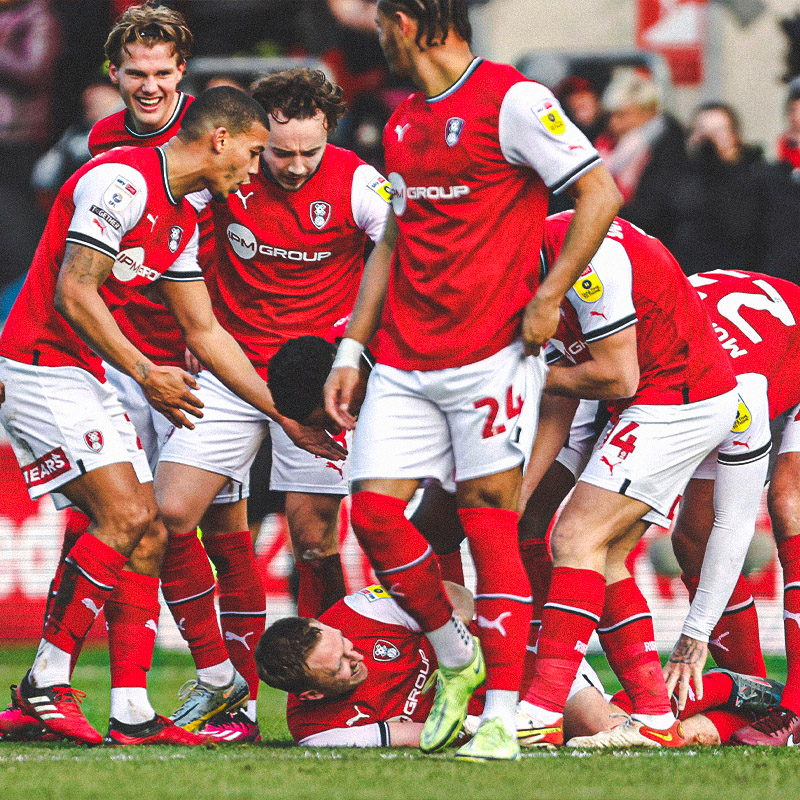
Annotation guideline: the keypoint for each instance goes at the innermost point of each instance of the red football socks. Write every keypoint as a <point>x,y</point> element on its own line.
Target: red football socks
<point>734,643</point>
<point>242,601</point>
<point>403,561</point>
<point>188,587</point>
<point>91,571</point>
<point>626,633</point>
<point>132,616</point>
<point>451,567</point>
<point>789,555</point>
<point>502,599</point>
<point>321,585</point>
<point>572,611</point>
<point>727,723</point>
<point>539,567</point>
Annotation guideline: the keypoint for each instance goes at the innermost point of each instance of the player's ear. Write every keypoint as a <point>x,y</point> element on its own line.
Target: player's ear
<point>219,139</point>
<point>310,694</point>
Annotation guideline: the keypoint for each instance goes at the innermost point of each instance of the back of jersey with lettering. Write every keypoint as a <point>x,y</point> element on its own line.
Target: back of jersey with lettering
<point>149,326</point>
<point>634,279</point>
<point>757,320</point>
<point>399,661</point>
<point>471,170</point>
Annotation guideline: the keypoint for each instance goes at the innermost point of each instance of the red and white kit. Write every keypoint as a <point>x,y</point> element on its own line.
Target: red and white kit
<point>148,325</point>
<point>686,379</point>
<point>475,166</point>
<point>108,205</point>
<point>285,264</point>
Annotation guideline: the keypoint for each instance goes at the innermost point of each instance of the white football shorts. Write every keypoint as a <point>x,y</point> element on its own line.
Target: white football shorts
<point>463,423</point>
<point>62,423</point>
<point>650,452</point>
<point>583,434</point>
<point>227,437</point>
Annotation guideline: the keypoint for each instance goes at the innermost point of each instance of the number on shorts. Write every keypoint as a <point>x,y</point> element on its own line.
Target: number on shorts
<point>488,427</point>
<point>513,410</point>
<point>625,445</point>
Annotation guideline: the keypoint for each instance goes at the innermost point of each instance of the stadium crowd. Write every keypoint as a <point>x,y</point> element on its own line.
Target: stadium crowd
<point>522,338</point>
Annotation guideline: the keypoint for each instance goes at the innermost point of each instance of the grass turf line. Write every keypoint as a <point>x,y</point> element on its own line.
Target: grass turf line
<point>277,769</point>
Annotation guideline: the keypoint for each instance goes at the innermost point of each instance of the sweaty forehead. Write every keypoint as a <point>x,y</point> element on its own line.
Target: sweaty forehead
<point>297,135</point>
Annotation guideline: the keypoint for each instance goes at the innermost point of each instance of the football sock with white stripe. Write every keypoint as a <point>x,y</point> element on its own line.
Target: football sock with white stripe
<point>789,555</point>
<point>569,617</point>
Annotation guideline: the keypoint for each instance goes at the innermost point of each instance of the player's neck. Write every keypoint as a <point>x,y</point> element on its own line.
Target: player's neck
<point>437,68</point>
<point>184,168</point>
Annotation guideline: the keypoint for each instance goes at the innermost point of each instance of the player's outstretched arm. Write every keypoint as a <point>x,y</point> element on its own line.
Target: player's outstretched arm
<point>77,299</point>
<point>219,352</point>
<point>597,201</point>
<point>611,373</point>
<point>364,322</point>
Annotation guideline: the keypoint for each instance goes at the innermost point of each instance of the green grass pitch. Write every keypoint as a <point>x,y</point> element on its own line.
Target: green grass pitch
<point>277,769</point>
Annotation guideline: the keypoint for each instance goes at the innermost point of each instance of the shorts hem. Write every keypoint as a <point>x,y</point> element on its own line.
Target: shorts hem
<point>213,468</point>
<point>629,492</point>
<point>305,488</point>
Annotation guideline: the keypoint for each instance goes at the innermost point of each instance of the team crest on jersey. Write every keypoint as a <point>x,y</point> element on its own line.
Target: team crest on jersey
<point>743,417</point>
<point>550,117</point>
<point>452,131</point>
<point>384,651</point>
<point>119,194</point>
<point>320,214</point>
<point>175,236</point>
<point>375,592</point>
<point>589,287</point>
<point>94,440</point>
<point>381,187</point>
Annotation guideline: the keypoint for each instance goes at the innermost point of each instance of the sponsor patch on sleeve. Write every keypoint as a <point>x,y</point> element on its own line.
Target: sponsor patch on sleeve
<point>381,187</point>
<point>106,216</point>
<point>119,194</point>
<point>550,117</point>
<point>375,592</point>
<point>46,468</point>
<point>589,287</point>
<point>743,418</point>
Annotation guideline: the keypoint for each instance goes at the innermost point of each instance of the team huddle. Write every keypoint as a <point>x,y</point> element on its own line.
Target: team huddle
<point>201,286</point>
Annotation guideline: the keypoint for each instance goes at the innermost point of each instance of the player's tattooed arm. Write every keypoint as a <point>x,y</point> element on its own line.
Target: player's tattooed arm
<point>78,300</point>
<point>685,665</point>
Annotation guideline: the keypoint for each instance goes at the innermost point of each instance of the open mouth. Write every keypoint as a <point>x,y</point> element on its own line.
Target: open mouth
<point>148,102</point>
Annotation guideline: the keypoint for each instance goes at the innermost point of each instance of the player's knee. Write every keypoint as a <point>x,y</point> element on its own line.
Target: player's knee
<point>149,552</point>
<point>176,515</point>
<point>129,520</point>
<point>783,502</point>
<point>688,551</point>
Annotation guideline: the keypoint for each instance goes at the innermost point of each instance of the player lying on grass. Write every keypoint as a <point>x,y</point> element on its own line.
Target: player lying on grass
<point>357,676</point>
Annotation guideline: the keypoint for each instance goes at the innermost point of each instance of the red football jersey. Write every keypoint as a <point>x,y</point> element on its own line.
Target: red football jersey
<point>149,326</point>
<point>119,204</point>
<point>756,319</point>
<point>634,280</point>
<point>287,264</point>
<point>471,170</point>
<point>399,661</point>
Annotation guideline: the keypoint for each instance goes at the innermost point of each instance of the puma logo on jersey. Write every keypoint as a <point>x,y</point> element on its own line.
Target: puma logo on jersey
<point>152,220</point>
<point>231,636</point>
<point>100,225</point>
<point>180,625</point>
<point>244,197</point>
<point>597,314</point>
<point>718,641</point>
<point>151,623</point>
<point>394,590</point>
<point>792,616</point>
<point>338,469</point>
<point>746,444</point>
<point>92,606</point>
<point>400,130</point>
<point>609,464</point>
<point>359,715</point>
<point>496,623</point>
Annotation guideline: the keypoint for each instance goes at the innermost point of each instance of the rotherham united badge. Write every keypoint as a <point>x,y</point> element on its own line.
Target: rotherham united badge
<point>452,131</point>
<point>175,235</point>
<point>94,440</point>
<point>320,214</point>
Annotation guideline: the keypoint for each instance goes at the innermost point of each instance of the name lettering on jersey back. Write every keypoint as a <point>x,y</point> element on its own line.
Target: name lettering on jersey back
<point>728,343</point>
<point>412,701</point>
<point>130,263</point>
<point>244,243</point>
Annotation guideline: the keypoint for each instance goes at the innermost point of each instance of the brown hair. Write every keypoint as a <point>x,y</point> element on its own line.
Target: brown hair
<point>434,17</point>
<point>282,651</point>
<point>299,94</point>
<point>149,25</point>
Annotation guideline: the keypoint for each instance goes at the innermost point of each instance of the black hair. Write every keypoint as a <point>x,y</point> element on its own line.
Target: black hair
<point>435,18</point>
<point>222,107</point>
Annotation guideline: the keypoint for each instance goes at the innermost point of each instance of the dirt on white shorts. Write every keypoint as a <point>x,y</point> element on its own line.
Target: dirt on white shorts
<point>460,423</point>
<point>750,438</point>
<point>226,439</point>
<point>650,452</point>
<point>62,423</point>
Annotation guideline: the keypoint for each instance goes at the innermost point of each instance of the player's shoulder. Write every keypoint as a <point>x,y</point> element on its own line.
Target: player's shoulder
<point>107,133</point>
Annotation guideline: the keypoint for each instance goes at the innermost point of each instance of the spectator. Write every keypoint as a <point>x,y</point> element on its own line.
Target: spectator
<point>789,142</point>
<point>581,100</point>
<point>644,150</point>
<point>719,202</point>
<point>98,100</point>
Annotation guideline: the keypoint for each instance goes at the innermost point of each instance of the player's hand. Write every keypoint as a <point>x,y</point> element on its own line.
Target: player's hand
<point>2,393</point>
<point>338,394</point>
<point>192,364</point>
<point>313,439</point>
<point>539,322</point>
<point>167,390</point>
<point>685,666</point>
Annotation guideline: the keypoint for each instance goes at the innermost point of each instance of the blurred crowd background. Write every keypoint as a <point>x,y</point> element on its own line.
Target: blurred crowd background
<point>678,95</point>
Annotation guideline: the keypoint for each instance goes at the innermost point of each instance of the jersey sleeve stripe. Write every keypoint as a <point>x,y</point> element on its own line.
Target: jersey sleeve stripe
<point>386,739</point>
<point>87,241</point>
<point>178,275</point>
<point>574,174</point>
<point>608,330</point>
